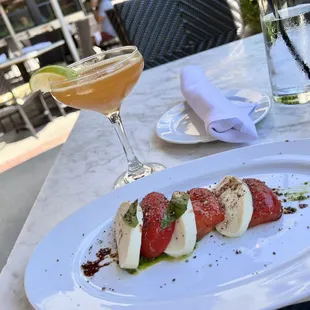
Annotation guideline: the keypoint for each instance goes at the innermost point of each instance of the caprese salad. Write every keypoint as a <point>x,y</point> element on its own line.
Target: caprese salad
<point>156,225</point>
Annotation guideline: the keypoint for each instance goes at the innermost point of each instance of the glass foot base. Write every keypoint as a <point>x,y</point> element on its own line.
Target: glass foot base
<point>149,168</point>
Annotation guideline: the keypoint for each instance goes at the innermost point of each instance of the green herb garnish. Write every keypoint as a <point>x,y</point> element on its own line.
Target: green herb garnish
<point>176,208</point>
<point>178,203</point>
<point>130,217</point>
<point>169,217</point>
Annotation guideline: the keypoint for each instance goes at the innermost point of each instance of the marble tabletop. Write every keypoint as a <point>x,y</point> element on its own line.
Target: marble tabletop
<point>92,158</point>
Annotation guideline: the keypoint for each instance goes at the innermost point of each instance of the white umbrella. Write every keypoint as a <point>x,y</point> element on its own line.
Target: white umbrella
<point>67,35</point>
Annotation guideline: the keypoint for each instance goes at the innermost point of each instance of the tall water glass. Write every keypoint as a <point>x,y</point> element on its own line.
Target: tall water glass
<point>286,29</point>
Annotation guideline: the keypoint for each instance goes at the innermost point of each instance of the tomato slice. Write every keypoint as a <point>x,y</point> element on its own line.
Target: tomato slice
<point>266,205</point>
<point>155,239</point>
<point>208,210</point>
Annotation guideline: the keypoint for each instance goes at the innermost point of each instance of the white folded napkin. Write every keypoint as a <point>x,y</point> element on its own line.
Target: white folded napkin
<point>98,37</point>
<point>223,120</point>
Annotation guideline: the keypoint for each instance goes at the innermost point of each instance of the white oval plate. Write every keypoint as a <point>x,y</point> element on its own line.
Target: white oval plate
<point>181,124</point>
<point>271,271</point>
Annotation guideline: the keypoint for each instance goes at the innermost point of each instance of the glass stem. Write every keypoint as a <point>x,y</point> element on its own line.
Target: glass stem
<point>135,167</point>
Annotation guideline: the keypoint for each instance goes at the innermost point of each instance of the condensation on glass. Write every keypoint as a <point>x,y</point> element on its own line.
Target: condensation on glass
<point>286,29</point>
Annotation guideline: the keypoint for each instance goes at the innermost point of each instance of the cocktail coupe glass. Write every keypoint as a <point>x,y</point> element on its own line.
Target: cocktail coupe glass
<point>103,81</point>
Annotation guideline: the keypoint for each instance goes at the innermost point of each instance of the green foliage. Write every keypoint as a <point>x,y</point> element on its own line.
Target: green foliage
<point>250,14</point>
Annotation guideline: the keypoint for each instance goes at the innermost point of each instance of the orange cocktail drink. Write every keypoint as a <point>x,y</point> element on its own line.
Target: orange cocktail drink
<point>101,83</point>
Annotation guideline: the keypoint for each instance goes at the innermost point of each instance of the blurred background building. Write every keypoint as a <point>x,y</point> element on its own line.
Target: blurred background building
<point>27,14</point>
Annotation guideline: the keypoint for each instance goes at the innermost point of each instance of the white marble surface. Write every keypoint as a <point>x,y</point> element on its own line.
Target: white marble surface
<point>92,158</point>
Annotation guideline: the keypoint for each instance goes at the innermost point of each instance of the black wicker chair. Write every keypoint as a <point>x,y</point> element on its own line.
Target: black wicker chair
<point>166,30</point>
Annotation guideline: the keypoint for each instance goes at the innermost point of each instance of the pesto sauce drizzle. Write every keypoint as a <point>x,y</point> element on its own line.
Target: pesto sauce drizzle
<point>297,196</point>
<point>145,263</point>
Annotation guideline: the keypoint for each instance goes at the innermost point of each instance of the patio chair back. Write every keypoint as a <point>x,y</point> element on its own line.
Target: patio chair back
<point>85,40</point>
<point>13,47</point>
<point>61,54</point>
<point>166,30</point>
<point>4,50</point>
<point>52,36</point>
<point>33,110</point>
<point>54,56</point>
<point>5,86</point>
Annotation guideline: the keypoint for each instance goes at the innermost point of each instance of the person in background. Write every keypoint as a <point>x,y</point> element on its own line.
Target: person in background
<point>100,7</point>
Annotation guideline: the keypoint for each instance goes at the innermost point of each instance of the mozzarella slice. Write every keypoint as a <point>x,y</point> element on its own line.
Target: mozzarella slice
<point>128,239</point>
<point>236,199</point>
<point>184,236</point>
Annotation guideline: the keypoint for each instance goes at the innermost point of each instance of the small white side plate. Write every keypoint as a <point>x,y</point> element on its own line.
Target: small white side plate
<point>181,124</point>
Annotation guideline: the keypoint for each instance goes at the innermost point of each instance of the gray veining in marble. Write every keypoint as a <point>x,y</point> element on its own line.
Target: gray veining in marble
<point>92,158</point>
